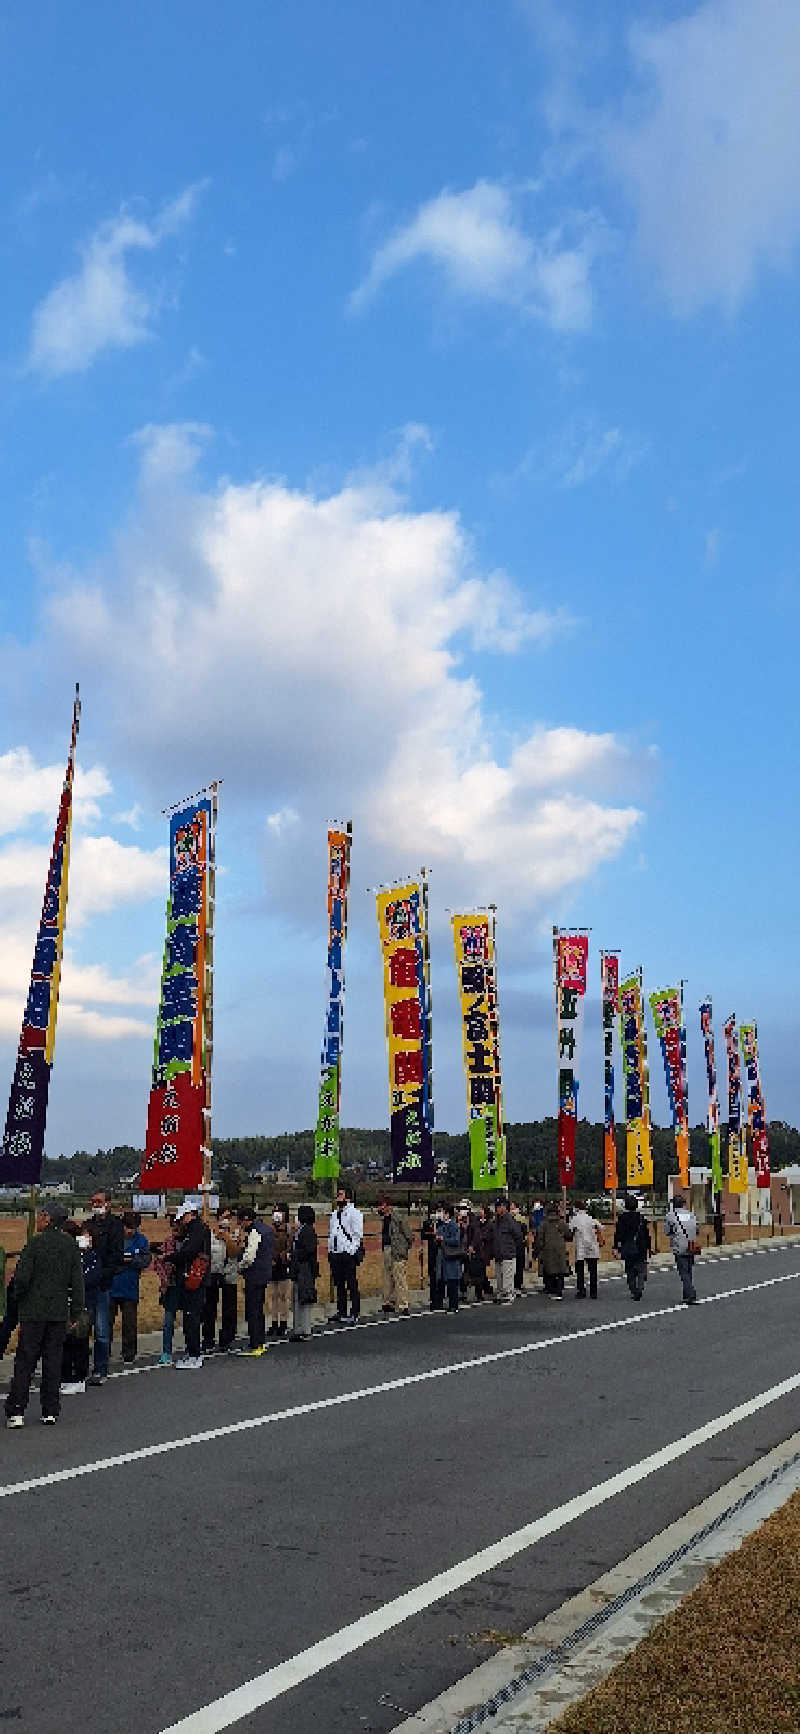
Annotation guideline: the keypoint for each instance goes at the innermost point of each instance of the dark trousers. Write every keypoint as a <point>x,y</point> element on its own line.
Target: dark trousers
<point>553,1282</point>
<point>344,1271</point>
<point>192,1307</point>
<point>482,1283</point>
<point>74,1359</point>
<point>636,1274</point>
<point>11,1320</point>
<point>129,1310</point>
<point>217,1289</point>
<point>452,1286</point>
<point>37,1337</point>
<point>580,1280</point>
<point>684,1262</point>
<point>254,1293</point>
<point>519,1269</point>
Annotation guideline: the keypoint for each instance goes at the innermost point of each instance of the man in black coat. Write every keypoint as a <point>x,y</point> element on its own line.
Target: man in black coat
<point>193,1250</point>
<point>49,1290</point>
<point>108,1240</point>
<point>632,1242</point>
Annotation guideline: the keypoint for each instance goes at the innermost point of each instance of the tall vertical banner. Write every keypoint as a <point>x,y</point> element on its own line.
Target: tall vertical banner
<point>712,1120</point>
<point>403,929</point>
<point>667,1010</point>
<point>23,1140</point>
<point>737,1143</point>
<point>179,1110</point>
<point>609,976</point>
<point>570,963</point>
<point>639,1156</point>
<point>326,1135</point>
<point>474,939</point>
<point>756,1115</point>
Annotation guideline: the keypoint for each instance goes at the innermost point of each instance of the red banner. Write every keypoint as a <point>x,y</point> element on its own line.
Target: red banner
<point>174,1149</point>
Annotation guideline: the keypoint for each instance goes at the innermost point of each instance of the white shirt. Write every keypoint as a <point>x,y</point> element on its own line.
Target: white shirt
<point>584,1229</point>
<point>346,1230</point>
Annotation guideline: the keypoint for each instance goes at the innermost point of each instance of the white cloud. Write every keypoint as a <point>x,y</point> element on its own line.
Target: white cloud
<point>100,306</point>
<point>711,160</point>
<point>29,791</point>
<point>170,449</point>
<point>104,875</point>
<point>585,450</point>
<point>476,238</point>
<point>330,645</point>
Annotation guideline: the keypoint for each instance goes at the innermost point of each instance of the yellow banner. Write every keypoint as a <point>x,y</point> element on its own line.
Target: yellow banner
<point>639,1154</point>
<point>737,1163</point>
<point>682,1151</point>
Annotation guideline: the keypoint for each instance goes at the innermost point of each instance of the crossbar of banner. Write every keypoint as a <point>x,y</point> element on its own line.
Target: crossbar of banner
<point>207,789</point>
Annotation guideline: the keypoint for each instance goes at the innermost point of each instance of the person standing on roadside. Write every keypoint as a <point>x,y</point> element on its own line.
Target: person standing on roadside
<point>680,1224</point>
<point>108,1239</point>
<point>223,1285</point>
<point>508,1241</point>
<point>304,1270</point>
<point>279,1284</point>
<point>255,1264</point>
<point>522,1244</point>
<point>167,1288</point>
<point>588,1238</point>
<point>632,1242</point>
<point>551,1249</point>
<point>75,1354</point>
<point>397,1239</point>
<point>345,1251</point>
<point>125,1285</point>
<point>191,1261</point>
<point>49,1288</point>
<point>451,1255</point>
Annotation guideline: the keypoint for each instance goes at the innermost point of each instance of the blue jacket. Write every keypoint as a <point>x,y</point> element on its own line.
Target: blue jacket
<point>451,1242</point>
<point>125,1285</point>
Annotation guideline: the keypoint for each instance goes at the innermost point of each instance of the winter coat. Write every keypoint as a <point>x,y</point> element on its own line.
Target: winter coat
<point>255,1262</point>
<point>125,1285</point>
<point>194,1243</point>
<point>631,1236</point>
<point>551,1246</point>
<point>108,1236</point>
<point>450,1237</point>
<point>303,1263</point>
<point>48,1281</point>
<point>92,1272</point>
<point>280,1252</point>
<point>346,1229</point>
<point>509,1236</point>
<point>681,1227</point>
<point>585,1235</point>
<point>401,1237</point>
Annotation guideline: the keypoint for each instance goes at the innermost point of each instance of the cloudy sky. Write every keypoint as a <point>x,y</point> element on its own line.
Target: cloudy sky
<point>398,422</point>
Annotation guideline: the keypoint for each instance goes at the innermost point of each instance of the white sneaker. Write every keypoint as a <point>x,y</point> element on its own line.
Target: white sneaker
<point>190,1361</point>
<point>15,1420</point>
<point>76,1389</point>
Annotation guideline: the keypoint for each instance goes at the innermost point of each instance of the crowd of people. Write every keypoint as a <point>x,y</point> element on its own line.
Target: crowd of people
<point>75,1278</point>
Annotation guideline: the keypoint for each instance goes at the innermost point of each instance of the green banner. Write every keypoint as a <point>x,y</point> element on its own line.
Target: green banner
<point>326,1134</point>
<point>487,1153</point>
<point>716,1162</point>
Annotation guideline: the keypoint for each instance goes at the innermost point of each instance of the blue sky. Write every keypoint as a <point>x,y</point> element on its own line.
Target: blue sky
<point>399,422</point>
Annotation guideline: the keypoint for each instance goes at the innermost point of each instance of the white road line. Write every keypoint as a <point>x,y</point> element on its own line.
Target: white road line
<point>272,1684</point>
<point>78,1470</point>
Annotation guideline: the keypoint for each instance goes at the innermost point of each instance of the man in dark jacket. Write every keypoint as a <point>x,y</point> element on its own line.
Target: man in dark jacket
<point>108,1240</point>
<point>255,1263</point>
<point>509,1236</point>
<point>632,1242</point>
<point>193,1242</point>
<point>49,1289</point>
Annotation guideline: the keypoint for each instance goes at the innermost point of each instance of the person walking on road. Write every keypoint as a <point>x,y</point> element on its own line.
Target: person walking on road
<point>49,1288</point>
<point>255,1264</point>
<point>345,1252</point>
<point>397,1239</point>
<point>509,1239</point>
<point>551,1250</point>
<point>125,1285</point>
<point>452,1254</point>
<point>588,1238</point>
<point>632,1242</point>
<point>303,1270</point>
<point>680,1225</point>
<point>108,1237</point>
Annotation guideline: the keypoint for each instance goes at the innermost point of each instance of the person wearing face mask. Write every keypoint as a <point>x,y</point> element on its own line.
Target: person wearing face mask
<point>345,1252</point>
<point>223,1286</point>
<point>108,1239</point>
<point>75,1353</point>
<point>279,1286</point>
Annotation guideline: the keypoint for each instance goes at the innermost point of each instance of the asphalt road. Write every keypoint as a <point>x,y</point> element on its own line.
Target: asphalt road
<point>134,1593</point>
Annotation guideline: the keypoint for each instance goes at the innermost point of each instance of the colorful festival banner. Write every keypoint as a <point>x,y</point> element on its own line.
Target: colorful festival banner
<point>639,1156</point>
<point>748,1035</point>
<point>23,1141</point>
<point>609,976</point>
<point>570,962</point>
<point>476,963</point>
<point>326,1136</point>
<point>179,1110</point>
<point>737,1142</point>
<point>666,1006</point>
<point>403,928</point>
<point>707,1027</point>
